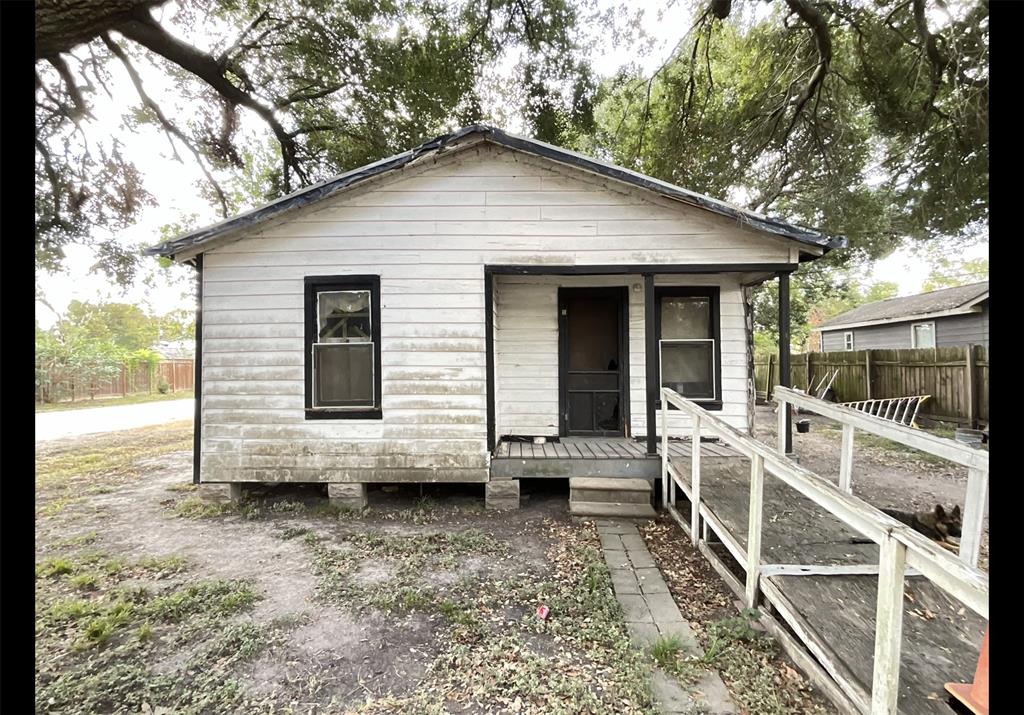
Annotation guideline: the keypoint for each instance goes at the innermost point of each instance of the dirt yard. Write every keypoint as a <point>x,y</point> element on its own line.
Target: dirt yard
<point>150,600</point>
<point>885,474</point>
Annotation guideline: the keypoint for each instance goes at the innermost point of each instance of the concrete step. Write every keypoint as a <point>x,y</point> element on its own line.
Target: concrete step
<point>612,490</point>
<point>605,508</point>
<point>610,484</point>
<point>628,497</point>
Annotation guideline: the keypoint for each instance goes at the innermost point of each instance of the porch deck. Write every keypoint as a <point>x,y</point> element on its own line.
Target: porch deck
<point>589,457</point>
<point>835,613</point>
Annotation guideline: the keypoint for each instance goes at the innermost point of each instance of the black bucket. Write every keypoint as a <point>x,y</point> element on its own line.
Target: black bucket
<point>803,426</point>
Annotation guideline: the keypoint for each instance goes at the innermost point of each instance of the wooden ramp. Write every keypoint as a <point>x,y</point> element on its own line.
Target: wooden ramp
<point>834,615</point>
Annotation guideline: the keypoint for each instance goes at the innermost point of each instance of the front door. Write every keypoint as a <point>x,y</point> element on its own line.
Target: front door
<point>593,375</point>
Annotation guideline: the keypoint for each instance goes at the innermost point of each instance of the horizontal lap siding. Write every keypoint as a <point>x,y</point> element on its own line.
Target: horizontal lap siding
<point>526,352</point>
<point>428,236</point>
<point>950,331</point>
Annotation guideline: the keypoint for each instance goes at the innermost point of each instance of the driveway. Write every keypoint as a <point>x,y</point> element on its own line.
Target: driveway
<point>72,423</point>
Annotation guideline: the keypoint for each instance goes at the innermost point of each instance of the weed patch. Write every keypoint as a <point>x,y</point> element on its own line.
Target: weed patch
<point>95,650</point>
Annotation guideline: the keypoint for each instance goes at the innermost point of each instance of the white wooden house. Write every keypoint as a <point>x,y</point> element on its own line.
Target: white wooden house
<point>414,319</point>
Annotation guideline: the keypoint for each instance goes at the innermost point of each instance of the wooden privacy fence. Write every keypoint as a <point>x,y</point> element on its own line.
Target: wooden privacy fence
<point>177,375</point>
<point>900,547</point>
<point>955,378</point>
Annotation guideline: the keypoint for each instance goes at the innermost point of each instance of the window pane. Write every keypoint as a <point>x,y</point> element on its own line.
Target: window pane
<point>688,368</point>
<point>343,316</point>
<point>924,336</point>
<point>685,318</point>
<point>343,375</point>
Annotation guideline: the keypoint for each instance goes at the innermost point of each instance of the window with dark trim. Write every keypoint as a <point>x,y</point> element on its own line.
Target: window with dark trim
<point>689,343</point>
<point>342,337</point>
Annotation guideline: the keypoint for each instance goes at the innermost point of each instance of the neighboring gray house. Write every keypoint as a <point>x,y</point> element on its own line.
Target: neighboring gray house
<point>940,318</point>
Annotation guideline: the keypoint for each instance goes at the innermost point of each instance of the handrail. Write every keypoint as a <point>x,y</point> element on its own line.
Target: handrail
<point>938,446</point>
<point>975,460</point>
<point>900,546</point>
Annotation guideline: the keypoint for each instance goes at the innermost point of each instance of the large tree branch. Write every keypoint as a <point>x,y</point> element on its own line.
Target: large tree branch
<point>823,44</point>
<point>81,108</point>
<point>168,126</point>
<point>64,24</point>
<point>148,33</point>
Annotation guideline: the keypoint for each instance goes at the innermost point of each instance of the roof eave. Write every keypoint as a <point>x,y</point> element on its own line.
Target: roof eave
<point>961,310</point>
<point>188,245</point>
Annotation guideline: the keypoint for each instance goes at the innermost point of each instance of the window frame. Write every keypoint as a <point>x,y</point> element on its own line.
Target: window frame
<point>713,294</point>
<point>313,285</point>
<point>848,345</point>
<point>913,335</point>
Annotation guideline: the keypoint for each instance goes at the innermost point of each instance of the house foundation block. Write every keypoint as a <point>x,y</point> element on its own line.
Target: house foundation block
<point>502,494</point>
<point>223,492</point>
<point>348,496</point>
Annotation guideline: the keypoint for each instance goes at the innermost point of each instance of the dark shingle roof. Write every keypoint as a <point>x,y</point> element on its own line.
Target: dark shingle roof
<point>936,301</point>
<point>492,134</point>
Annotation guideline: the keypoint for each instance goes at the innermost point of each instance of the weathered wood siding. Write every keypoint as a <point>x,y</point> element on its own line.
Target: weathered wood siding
<point>526,351</point>
<point>950,331</point>
<point>428,233</point>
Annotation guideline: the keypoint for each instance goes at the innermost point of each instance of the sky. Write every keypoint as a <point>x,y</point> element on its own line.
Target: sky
<point>172,181</point>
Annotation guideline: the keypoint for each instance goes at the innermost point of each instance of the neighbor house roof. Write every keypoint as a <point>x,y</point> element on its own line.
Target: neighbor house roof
<point>948,301</point>
<point>189,241</point>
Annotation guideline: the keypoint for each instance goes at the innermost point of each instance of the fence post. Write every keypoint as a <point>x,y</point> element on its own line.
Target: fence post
<point>668,490</point>
<point>771,378</point>
<point>971,389</point>
<point>846,460</point>
<point>974,516</point>
<point>807,369</point>
<point>695,482</point>
<point>754,528</point>
<point>885,682</point>
<point>867,370</point>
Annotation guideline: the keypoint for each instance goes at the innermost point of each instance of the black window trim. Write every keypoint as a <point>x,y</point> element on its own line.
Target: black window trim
<point>318,284</point>
<point>713,293</point>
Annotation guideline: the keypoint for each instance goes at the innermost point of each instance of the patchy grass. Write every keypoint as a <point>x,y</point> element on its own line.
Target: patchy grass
<point>66,471</point>
<point>195,507</point>
<point>112,401</point>
<point>666,650</point>
<point>759,677</point>
<point>406,557</point>
<point>97,650</point>
<point>579,660</point>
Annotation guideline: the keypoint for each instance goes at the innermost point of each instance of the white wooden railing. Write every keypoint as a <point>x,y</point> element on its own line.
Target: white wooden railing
<point>900,546</point>
<point>975,460</point>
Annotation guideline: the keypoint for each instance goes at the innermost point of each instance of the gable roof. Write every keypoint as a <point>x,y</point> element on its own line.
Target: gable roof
<point>469,135</point>
<point>947,301</point>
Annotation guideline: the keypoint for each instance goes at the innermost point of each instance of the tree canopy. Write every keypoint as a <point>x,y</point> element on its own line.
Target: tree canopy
<point>863,118</point>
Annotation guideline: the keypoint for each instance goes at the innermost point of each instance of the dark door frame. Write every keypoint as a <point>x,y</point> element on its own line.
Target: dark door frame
<point>622,294</point>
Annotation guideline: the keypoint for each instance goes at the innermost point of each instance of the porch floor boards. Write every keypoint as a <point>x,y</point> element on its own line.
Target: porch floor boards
<point>576,448</point>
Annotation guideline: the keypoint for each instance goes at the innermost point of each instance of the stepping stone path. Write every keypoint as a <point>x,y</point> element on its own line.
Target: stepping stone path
<point>651,613</point>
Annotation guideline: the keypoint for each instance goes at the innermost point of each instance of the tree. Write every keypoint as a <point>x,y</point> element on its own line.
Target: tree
<point>124,326</point>
<point>334,84</point>
<point>177,325</point>
<point>864,119</point>
<point>949,273</point>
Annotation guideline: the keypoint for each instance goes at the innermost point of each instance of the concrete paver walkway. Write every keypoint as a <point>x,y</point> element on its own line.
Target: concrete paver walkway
<point>72,423</point>
<point>651,613</point>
